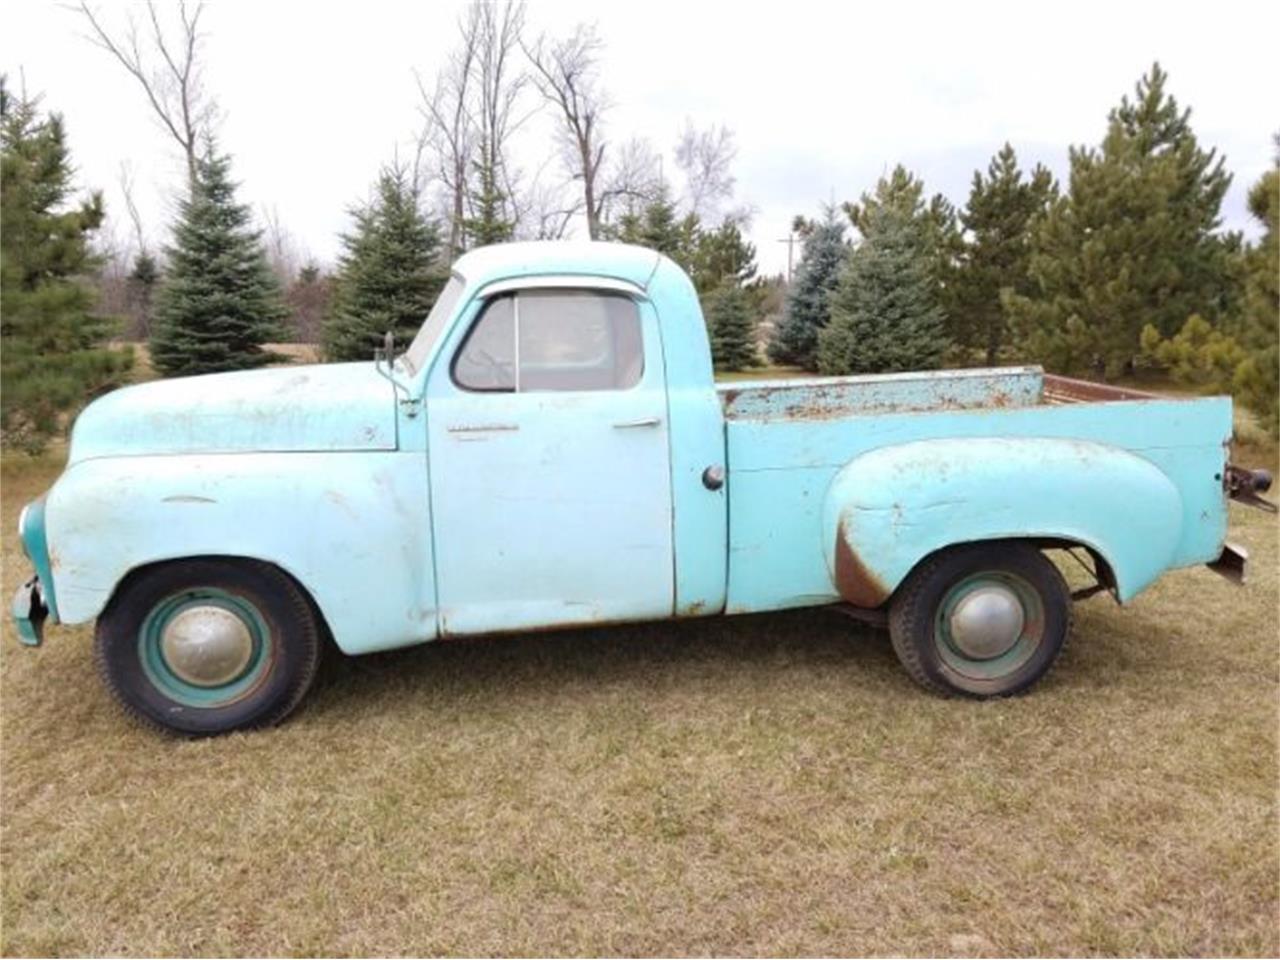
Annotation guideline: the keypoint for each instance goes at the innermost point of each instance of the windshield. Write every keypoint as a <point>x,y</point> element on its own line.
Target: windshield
<point>416,355</point>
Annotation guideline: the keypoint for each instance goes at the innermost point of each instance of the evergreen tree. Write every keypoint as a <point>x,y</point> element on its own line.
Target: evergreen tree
<point>996,254</point>
<point>722,255</point>
<point>885,315</point>
<point>309,299</point>
<point>219,302</point>
<point>935,222</point>
<point>1241,355</point>
<point>659,226</point>
<point>731,324</point>
<point>1134,242</point>
<point>53,354</point>
<point>1256,379</point>
<point>140,291</point>
<point>488,223</point>
<point>388,276</point>
<point>795,339</point>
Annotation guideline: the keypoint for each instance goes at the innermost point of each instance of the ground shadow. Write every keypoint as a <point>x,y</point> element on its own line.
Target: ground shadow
<point>641,654</point>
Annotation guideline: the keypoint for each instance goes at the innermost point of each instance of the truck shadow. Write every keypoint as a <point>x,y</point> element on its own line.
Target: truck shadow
<point>671,655</point>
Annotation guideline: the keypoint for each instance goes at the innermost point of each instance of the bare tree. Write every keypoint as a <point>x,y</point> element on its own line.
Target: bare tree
<point>500,82</point>
<point>705,157</point>
<point>131,207</point>
<point>566,75</point>
<point>470,115</point>
<point>281,247</point>
<point>448,133</point>
<point>173,87</point>
<point>633,179</point>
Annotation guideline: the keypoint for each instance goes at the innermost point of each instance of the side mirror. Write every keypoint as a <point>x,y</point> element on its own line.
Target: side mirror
<point>384,362</point>
<point>386,353</point>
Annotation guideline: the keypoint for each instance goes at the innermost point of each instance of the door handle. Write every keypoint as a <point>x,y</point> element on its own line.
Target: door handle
<point>645,422</point>
<point>483,428</point>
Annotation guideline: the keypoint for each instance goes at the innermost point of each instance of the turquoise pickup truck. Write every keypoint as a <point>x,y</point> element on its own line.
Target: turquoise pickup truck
<point>551,451</point>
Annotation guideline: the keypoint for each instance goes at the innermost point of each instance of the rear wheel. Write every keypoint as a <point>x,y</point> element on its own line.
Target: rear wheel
<point>981,620</point>
<point>209,645</point>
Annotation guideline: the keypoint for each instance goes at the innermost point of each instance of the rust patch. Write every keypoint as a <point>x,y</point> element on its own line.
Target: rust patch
<point>1070,390</point>
<point>696,609</point>
<point>854,581</point>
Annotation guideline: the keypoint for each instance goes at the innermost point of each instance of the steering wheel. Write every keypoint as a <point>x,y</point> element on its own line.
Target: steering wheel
<point>500,372</point>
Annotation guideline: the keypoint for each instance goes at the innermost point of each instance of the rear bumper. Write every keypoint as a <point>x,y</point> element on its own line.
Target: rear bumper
<point>30,611</point>
<point>1231,563</point>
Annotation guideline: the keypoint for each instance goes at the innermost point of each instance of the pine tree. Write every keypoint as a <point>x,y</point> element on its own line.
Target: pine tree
<point>309,299</point>
<point>731,324</point>
<point>996,254</point>
<point>1134,242</point>
<point>388,276</point>
<point>935,222</point>
<point>1256,380</point>
<point>885,315</point>
<point>795,339</point>
<point>53,354</point>
<point>140,291</point>
<point>659,226</point>
<point>488,223</point>
<point>1242,354</point>
<point>721,255</point>
<point>219,302</point>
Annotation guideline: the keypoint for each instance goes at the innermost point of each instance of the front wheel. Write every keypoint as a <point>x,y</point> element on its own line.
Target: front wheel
<point>981,620</point>
<point>208,645</point>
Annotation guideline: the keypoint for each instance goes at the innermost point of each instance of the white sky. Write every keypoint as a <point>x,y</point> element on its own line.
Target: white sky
<point>823,97</point>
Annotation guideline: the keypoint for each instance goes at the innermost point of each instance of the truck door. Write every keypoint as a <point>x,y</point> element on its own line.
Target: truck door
<point>549,464</point>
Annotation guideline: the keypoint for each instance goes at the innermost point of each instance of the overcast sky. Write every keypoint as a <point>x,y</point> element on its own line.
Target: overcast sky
<point>823,97</point>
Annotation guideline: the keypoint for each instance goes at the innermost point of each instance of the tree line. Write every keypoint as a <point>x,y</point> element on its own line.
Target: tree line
<point>1124,268</point>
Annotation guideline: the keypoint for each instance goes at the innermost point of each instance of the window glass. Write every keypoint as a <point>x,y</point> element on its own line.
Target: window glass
<point>434,323</point>
<point>487,358</point>
<point>578,340</point>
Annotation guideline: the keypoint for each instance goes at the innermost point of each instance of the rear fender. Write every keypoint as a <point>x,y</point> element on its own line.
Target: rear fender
<point>888,509</point>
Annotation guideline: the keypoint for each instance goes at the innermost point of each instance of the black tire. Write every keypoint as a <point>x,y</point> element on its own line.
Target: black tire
<point>284,644</point>
<point>930,642</point>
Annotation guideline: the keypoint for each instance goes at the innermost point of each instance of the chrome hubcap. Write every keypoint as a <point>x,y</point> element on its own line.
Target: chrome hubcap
<point>987,622</point>
<point>207,646</point>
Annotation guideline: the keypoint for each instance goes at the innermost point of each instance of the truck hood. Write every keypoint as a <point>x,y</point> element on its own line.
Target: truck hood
<point>346,406</point>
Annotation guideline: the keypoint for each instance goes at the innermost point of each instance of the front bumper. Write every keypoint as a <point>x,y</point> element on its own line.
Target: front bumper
<point>30,612</point>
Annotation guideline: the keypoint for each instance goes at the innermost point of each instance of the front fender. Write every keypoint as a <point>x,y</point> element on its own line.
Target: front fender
<point>888,509</point>
<point>352,528</point>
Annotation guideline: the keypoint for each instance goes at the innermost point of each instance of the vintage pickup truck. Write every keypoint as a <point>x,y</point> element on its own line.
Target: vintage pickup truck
<point>551,451</point>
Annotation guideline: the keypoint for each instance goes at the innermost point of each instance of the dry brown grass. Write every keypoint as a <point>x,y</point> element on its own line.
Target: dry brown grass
<point>764,785</point>
<point>285,352</point>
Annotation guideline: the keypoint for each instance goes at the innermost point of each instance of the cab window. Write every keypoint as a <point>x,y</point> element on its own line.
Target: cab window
<point>553,340</point>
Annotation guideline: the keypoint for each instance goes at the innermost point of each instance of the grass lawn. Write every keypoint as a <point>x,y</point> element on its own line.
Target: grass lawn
<point>760,785</point>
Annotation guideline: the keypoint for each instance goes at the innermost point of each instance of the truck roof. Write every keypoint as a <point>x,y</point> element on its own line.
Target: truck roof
<point>619,261</point>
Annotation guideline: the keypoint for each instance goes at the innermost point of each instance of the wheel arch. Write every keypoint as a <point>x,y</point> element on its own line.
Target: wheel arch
<point>141,570</point>
<point>892,508</point>
<point>1103,570</point>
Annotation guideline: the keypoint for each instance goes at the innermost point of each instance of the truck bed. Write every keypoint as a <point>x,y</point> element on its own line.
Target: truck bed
<point>1000,388</point>
<point>786,440</point>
